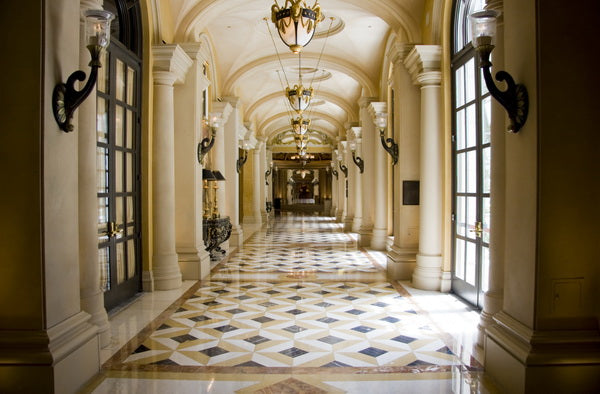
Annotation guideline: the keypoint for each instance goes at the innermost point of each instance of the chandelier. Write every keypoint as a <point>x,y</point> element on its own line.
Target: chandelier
<point>299,97</point>
<point>300,125</point>
<point>296,22</point>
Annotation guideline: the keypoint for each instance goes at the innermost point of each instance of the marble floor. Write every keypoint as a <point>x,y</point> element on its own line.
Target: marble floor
<point>298,309</point>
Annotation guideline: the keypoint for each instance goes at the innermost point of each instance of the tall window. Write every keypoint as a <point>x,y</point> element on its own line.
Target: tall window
<point>471,162</point>
<point>118,156</point>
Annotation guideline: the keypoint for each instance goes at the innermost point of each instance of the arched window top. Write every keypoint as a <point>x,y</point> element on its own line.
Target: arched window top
<point>462,28</point>
<point>126,27</point>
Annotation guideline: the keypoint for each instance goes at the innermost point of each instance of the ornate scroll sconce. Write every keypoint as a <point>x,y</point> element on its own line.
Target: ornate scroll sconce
<point>388,144</point>
<point>515,98</point>
<point>207,143</point>
<point>343,167</point>
<point>65,99</point>
<point>360,163</point>
<point>334,171</point>
<point>241,160</point>
<point>267,173</point>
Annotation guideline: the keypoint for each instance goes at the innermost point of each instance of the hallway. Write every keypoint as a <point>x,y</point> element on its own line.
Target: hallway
<point>299,308</point>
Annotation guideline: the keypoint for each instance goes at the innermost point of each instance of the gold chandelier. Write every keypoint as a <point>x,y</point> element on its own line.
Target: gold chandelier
<point>299,97</point>
<point>296,22</point>
<point>300,125</point>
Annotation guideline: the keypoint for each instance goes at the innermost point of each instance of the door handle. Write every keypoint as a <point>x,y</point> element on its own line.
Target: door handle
<point>478,230</point>
<point>113,230</point>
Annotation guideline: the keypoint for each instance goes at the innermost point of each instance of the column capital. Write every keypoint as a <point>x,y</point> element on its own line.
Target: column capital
<point>224,109</point>
<point>365,101</point>
<point>170,59</point>
<point>195,50</point>
<point>398,51</point>
<point>375,108</point>
<point>356,132</point>
<point>349,125</point>
<point>233,100</point>
<point>423,59</point>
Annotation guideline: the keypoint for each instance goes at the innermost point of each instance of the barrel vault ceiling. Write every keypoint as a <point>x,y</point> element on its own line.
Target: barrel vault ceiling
<point>249,67</point>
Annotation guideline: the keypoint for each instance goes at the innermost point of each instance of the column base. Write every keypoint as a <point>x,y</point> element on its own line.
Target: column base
<point>446,282</point>
<point>401,263</point>
<point>237,236</point>
<point>45,360</point>
<point>94,305</point>
<point>428,272</point>
<point>365,235</point>
<point>379,239</point>
<point>167,275</point>
<point>348,224</point>
<point>194,266</point>
<point>147,281</point>
<point>492,304</point>
<point>339,215</point>
<point>356,224</point>
<point>522,360</point>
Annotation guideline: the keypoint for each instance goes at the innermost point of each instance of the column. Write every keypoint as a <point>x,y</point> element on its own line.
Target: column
<point>92,297</point>
<point>424,63</point>
<point>194,260</point>
<point>402,255</point>
<point>365,231</point>
<point>222,110</point>
<point>358,180</point>
<point>170,66</point>
<point>334,185</point>
<point>234,132</point>
<point>289,187</point>
<point>348,186</point>
<point>262,188</point>
<point>379,187</point>
<point>492,299</point>
<point>257,182</point>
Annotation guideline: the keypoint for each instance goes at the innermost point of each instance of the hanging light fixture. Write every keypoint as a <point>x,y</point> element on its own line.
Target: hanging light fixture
<point>300,125</point>
<point>299,97</point>
<point>296,22</point>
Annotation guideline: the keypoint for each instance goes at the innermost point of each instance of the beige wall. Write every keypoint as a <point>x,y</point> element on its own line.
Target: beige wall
<point>569,167</point>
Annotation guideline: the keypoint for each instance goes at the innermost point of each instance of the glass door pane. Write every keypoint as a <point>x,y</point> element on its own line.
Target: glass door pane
<point>118,186</point>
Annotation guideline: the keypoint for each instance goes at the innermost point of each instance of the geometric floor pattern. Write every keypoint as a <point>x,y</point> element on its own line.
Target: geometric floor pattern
<point>295,325</point>
<point>300,309</point>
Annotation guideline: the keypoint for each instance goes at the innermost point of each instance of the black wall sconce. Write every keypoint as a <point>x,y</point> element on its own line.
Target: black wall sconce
<point>515,98</point>
<point>388,144</point>
<point>207,143</point>
<point>360,163</point>
<point>267,173</point>
<point>241,160</point>
<point>334,171</point>
<point>344,169</point>
<point>65,99</point>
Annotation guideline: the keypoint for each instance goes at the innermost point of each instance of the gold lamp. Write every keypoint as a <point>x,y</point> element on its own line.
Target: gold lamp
<point>296,22</point>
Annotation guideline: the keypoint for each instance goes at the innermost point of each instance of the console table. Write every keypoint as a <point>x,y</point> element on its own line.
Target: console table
<point>215,231</point>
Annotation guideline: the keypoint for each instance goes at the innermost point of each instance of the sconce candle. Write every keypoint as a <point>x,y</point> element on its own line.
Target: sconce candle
<point>515,98</point>
<point>388,144</point>
<point>65,99</point>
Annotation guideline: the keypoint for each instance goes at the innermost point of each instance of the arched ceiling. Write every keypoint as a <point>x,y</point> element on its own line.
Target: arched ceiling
<point>248,65</point>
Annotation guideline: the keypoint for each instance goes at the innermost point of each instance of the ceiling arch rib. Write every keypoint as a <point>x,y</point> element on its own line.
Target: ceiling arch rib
<point>327,62</point>
<point>327,96</point>
<point>395,15</point>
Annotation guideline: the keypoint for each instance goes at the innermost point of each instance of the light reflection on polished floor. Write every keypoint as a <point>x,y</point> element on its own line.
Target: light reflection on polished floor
<point>298,309</point>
